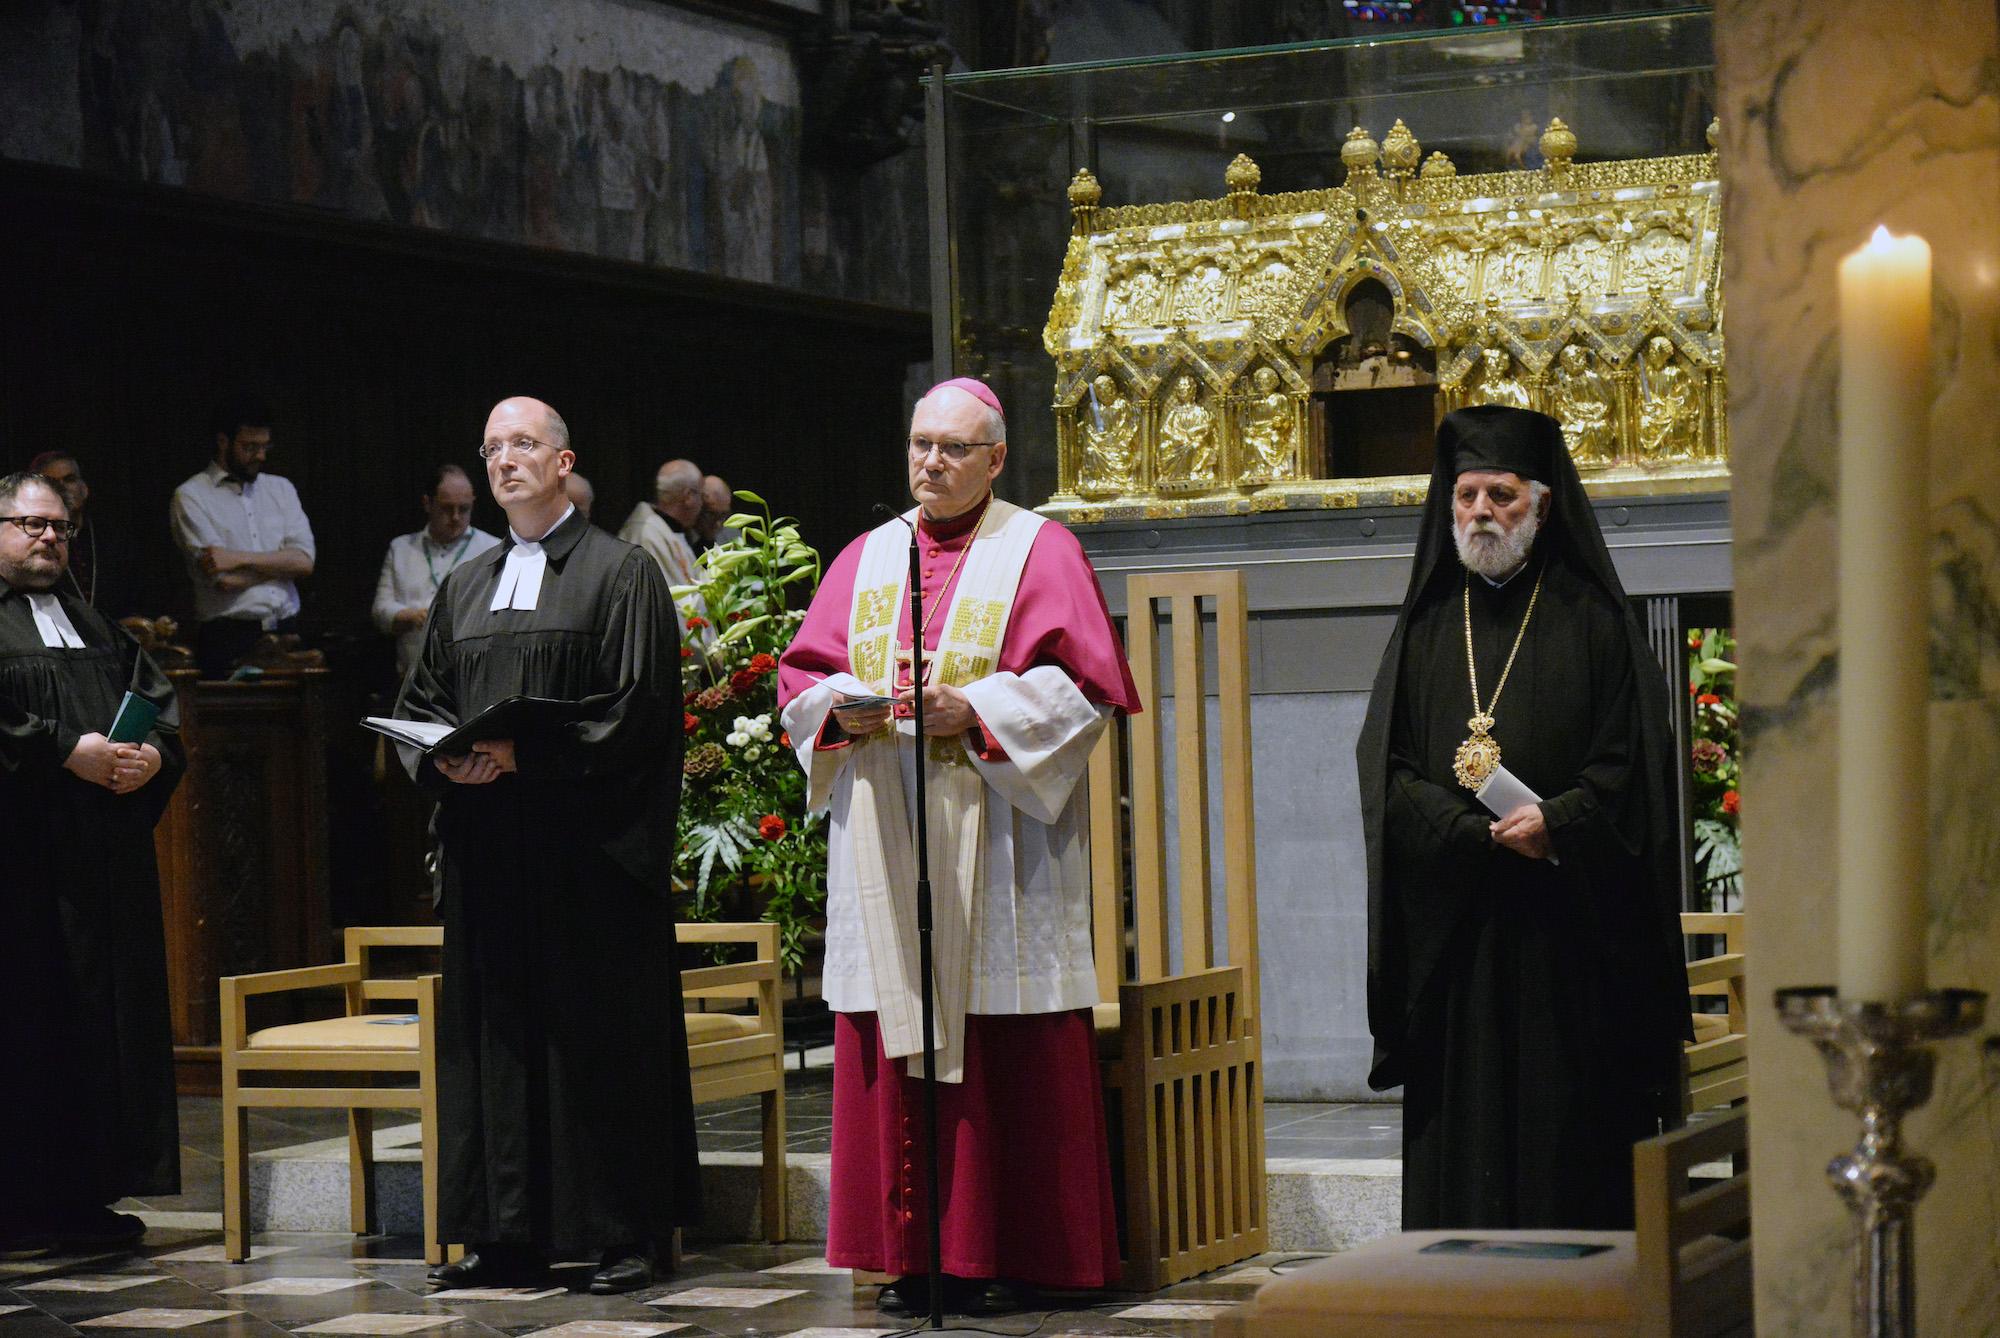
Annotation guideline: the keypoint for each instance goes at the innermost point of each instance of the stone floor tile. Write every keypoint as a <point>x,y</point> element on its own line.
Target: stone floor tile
<point>608,1328</point>
<point>726,1298</point>
<point>293,1286</point>
<point>14,1309</point>
<point>815,1266</point>
<point>155,1317</point>
<point>1199,1310</point>
<point>217,1254</point>
<point>92,1282</point>
<point>367,1322</point>
<point>497,1293</point>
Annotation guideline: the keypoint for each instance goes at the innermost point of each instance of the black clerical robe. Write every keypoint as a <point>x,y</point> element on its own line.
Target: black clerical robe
<point>1534,1054</point>
<point>89,1116</point>
<point>562,1049</point>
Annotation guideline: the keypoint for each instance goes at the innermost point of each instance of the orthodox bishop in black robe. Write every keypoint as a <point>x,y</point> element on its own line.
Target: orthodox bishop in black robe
<point>1531,1007</point>
<point>89,1117</point>
<point>563,1072</point>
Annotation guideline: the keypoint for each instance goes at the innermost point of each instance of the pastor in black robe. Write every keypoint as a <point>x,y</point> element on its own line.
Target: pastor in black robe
<point>1532,1011</point>
<point>562,1050</point>
<point>90,1115</point>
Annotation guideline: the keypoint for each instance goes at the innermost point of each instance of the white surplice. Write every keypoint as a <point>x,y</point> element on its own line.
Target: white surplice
<point>1030,949</point>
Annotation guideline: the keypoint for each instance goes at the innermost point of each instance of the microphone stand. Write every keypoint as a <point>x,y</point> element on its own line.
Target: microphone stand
<point>925,969</point>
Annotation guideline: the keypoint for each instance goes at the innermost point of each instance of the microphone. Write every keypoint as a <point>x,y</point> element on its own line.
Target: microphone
<point>892,513</point>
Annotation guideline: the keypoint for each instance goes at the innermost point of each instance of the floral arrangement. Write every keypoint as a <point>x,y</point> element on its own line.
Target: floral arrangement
<point>1717,772</point>
<point>742,814</point>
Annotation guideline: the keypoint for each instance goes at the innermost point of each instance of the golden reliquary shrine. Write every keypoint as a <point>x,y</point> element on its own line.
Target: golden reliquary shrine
<point>1295,351</point>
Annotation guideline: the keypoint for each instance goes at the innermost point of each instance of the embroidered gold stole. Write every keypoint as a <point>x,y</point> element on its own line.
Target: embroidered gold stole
<point>878,812</point>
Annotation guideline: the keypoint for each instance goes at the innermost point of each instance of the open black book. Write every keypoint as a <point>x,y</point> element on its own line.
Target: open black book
<point>508,718</point>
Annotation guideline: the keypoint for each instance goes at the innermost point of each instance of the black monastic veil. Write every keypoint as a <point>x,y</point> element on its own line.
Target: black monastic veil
<point>1531,1011</point>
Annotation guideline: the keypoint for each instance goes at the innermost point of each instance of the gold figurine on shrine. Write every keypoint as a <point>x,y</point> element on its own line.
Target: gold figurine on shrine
<point>1213,355</point>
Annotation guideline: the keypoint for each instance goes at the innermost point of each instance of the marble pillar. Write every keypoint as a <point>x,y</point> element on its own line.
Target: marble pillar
<point>1838,115</point>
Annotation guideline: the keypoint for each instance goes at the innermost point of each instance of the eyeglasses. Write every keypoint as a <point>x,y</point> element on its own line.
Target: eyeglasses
<point>954,451</point>
<point>520,446</point>
<point>36,526</point>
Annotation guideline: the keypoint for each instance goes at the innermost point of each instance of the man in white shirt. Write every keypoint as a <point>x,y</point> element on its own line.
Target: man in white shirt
<point>247,542</point>
<point>417,563</point>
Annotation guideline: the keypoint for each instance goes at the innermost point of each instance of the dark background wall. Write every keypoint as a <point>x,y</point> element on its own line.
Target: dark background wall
<point>132,310</point>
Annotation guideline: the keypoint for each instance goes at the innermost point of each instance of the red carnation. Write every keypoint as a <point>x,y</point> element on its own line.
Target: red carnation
<point>1731,801</point>
<point>696,622</point>
<point>690,721</point>
<point>743,680</point>
<point>1708,699</point>
<point>784,738</point>
<point>770,826</point>
<point>763,663</point>
<point>687,652</point>
<point>1694,689</point>
<point>687,698</point>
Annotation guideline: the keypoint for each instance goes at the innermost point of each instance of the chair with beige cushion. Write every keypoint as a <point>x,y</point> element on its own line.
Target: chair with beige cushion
<point>737,1054</point>
<point>376,1055</point>
<point>1683,1273</point>
<point>1717,1062</point>
<point>348,1061</point>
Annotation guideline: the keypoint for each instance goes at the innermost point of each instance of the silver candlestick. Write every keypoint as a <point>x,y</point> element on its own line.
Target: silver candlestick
<point>1879,1065</point>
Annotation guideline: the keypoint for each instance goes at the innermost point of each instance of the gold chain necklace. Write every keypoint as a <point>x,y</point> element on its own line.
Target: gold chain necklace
<point>1479,756</point>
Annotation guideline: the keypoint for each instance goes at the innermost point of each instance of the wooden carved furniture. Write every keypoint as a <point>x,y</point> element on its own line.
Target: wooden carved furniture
<point>1183,1062</point>
<point>737,1054</point>
<point>242,848</point>
<point>1716,1064</point>
<point>1683,1273</point>
<point>279,1066</point>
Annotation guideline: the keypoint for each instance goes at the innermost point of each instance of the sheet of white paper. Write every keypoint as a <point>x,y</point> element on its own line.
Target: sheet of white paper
<point>421,733</point>
<point>1503,792</point>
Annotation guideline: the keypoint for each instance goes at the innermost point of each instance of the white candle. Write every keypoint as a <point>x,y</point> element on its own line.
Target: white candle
<point>1884,576</point>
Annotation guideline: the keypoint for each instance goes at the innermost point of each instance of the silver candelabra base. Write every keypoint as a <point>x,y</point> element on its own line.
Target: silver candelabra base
<point>1879,1065</point>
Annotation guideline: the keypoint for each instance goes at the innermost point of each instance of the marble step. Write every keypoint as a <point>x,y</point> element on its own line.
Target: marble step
<point>1313,1204</point>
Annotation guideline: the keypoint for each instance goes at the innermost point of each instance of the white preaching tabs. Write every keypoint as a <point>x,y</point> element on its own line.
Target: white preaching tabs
<point>57,630</point>
<point>1503,792</point>
<point>520,583</point>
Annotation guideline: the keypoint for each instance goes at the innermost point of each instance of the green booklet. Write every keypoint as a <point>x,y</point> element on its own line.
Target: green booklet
<point>134,721</point>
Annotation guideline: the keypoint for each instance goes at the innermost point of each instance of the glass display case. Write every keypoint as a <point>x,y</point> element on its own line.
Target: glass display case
<point>1250,280</point>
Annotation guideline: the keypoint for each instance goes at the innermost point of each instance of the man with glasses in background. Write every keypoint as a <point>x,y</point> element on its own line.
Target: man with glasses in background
<point>718,503</point>
<point>416,564</point>
<point>1022,671</point>
<point>247,540</point>
<point>562,1048</point>
<point>83,963</point>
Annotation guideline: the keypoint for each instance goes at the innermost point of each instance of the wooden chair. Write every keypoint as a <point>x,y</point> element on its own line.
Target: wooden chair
<point>733,1054</point>
<point>729,1055</point>
<point>362,1046</point>
<point>1683,1273</point>
<point>1716,1064</point>
<point>1181,1053</point>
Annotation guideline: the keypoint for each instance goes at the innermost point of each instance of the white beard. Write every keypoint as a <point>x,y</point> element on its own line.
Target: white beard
<point>1491,551</point>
